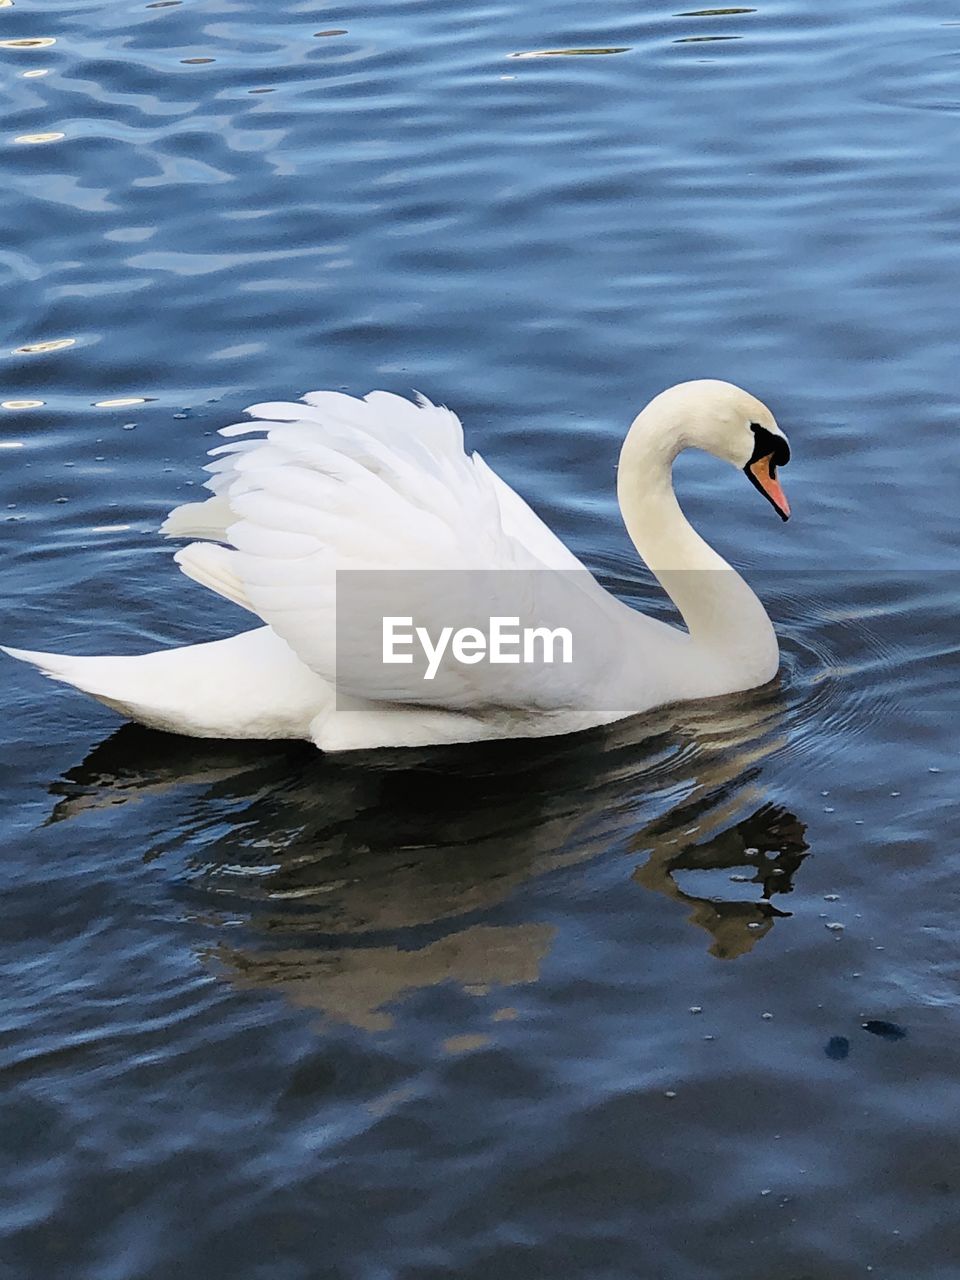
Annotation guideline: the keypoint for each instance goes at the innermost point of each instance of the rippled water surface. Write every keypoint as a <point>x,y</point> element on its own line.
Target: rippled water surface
<point>673,1000</point>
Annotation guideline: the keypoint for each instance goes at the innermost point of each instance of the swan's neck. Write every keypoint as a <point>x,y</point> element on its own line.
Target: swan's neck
<point>725,619</point>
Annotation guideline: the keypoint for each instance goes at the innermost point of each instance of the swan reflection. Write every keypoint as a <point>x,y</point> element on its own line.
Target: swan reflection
<point>356,984</point>
<point>350,883</point>
<point>767,847</point>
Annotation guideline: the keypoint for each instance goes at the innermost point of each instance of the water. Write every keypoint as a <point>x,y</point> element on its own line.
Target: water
<point>264,1014</point>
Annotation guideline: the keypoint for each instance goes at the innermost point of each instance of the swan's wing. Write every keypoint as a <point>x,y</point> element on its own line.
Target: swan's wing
<point>334,497</point>
<point>421,431</point>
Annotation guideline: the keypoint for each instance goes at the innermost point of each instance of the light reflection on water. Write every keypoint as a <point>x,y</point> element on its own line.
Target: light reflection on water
<point>33,42</point>
<point>44,347</point>
<point>567,53</point>
<point>35,138</point>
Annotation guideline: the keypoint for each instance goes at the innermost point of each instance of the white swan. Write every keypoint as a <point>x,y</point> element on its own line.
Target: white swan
<point>336,483</point>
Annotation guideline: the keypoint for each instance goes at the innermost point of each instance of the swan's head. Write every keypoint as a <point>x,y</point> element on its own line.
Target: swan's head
<point>729,423</point>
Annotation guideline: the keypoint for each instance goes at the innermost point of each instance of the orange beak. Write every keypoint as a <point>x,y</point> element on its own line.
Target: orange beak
<point>763,473</point>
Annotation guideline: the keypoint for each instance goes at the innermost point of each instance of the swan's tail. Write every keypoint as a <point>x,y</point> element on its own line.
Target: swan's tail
<point>127,685</point>
<point>90,675</point>
<point>249,686</point>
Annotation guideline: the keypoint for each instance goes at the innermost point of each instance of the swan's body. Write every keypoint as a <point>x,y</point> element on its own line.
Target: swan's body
<point>382,484</point>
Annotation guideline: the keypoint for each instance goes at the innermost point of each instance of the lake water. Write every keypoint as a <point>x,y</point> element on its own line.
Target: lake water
<point>676,1000</point>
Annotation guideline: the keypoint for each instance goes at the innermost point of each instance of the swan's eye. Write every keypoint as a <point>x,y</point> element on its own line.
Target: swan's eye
<point>768,445</point>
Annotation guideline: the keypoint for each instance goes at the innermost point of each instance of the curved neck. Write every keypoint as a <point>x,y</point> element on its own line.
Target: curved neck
<point>720,611</point>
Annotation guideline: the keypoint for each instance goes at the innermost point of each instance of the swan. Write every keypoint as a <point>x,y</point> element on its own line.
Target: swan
<point>305,493</point>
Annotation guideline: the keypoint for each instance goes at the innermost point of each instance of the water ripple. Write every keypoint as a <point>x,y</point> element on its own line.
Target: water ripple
<point>485,1011</point>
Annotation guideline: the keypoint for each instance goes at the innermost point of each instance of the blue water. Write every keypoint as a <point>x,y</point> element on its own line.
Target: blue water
<point>678,999</point>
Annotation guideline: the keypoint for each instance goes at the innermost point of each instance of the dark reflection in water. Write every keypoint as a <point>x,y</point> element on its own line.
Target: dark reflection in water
<point>376,871</point>
<point>770,841</point>
<point>704,39</point>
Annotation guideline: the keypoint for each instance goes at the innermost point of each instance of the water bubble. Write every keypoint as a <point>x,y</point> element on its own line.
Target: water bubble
<point>835,926</point>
